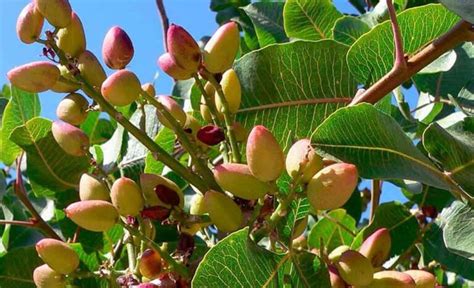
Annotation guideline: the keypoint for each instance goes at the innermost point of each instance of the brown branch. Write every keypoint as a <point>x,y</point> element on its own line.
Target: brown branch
<point>164,22</point>
<point>374,203</point>
<point>18,223</point>
<point>460,33</point>
<point>400,62</point>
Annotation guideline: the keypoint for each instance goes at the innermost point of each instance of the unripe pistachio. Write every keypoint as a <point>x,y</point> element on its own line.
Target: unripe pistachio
<point>91,69</point>
<point>150,264</point>
<point>264,155</point>
<point>117,48</point>
<point>57,12</point>
<point>121,88</point>
<point>354,268</point>
<point>192,125</point>
<point>29,24</point>
<point>197,205</point>
<point>192,228</point>
<point>91,188</point>
<point>240,132</point>
<point>183,48</point>
<point>300,227</point>
<point>302,161</point>
<point>377,247</point>
<point>73,109</point>
<point>127,197</point>
<point>173,108</point>
<point>391,279</point>
<point>223,211</point>
<point>211,135</point>
<point>423,279</point>
<point>149,89</point>
<point>45,277</point>
<point>93,215</point>
<point>334,278</point>
<point>148,182</point>
<point>34,77</point>
<point>167,195</point>
<point>238,180</point>
<point>204,109</point>
<point>71,39</point>
<point>70,138</point>
<point>158,213</point>
<point>233,94</point>
<point>58,255</point>
<point>331,187</point>
<point>337,252</point>
<point>221,49</point>
<point>168,66</point>
<point>66,82</point>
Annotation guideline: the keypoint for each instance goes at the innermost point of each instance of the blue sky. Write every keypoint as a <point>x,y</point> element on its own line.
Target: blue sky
<point>139,18</point>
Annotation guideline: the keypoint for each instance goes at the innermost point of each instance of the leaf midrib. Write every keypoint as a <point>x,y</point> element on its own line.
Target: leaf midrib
<point>316,27</point>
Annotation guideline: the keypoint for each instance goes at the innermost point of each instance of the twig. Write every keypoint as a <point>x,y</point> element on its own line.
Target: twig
<point>374,203</point>
<point>400,62</point>
<point>164,22</point>
<point>18,223</point>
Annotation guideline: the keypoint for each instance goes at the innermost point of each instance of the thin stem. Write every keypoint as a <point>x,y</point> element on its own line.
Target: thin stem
<point>164,22</point>
<point>374,203</point>
<point>400,62</point>
<point>18,223</point>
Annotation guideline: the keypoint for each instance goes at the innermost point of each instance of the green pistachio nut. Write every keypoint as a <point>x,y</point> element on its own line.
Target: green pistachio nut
<point>221,50</point>
<point>93,215</point>
<point>170,67</point>
<point>91,188</point>
<point>58,255</point>
<point>91,70</point>
<point>423,279</point>
<point>29,24</point>
<point>300,227</point>
<point>71,39</point>
<point>121,88</point>
<point>149,89</point>
<point>240,132</point>
<point>66,82</point>
<point>232,91</point>
<point>57,12</point>
<point>34,77</point>
<point>197,205</point>
<point>223,211</point>
<point>264,155</point>
<point>174,109</point>
<point>70,138</point>
<point>183,49</point>
<point>45,277</point>
<point>354,268</point>
<point>377,247</point>
<point>238,180</point>
<point>150,264</point>
<point>127,197</point>
<point>302,161</point>
<point>390,279</point>
<point>148,183</point>
<point>73,109</point>
<point>337,252</point>
<point>332,186</point>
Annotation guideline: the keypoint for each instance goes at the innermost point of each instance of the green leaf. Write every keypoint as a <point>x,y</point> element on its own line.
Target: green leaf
<point>459,228</point>
<point>16,267</point>
<point>267,19</point>
<point>454,150</point>
<point>348,29</point>
<point>369,65</point>
<point>165,138</point>
<point>22,107</point>
<point>373,141</point>
<point>98,129</point>
<point>47,164</point>
<point>307,270</point>
<point>309,19</point>
<point>298,210</point>
<point>291,88</point>
<point>332,230</point>
<point>430,196</point>
<point>444,63</point>
<point>466,97</point>
<point>238,262</point>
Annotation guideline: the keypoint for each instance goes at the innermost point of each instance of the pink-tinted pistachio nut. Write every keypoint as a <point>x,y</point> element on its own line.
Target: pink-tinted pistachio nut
<point>211,135</point>
<point>58,255</point>
<point>332,186</point>
<point>237,179</point>
<point>423,279</point>
<point>168,66</point>
<point>149,89</point>
<point>334,278</point>
<point>221,50</point>
<point>71,39</point>
<point>173,108</point>
<point>127,197</point>
<point>73,109</point>
<point>34,77</point>
<point>121,88</point>
<point>223,211</point>
<point>92,188</point>
<point>302,161</point>
<point>264,155</point>
<point>149,181</point>
<point>377,247</point>
<point>183,48</point>
<point>147,285</point>
<point>337,252</point>
<point>157,213</point>
<point>117,48</point>
<point>354,268</point>
<point>57,12</point>
<point>150,264</point>
<point>93,215</point>
<point>167,195</point>
<point>166,281</point>
<point>392,279</point>
<point>45,277</point>
<point>232,91</point>
<point>70,138</point>
<point>91,69</point>
<point>29,24</point>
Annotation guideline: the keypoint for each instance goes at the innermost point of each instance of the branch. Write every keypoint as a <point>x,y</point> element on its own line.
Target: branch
<point>400,62</point>
<point>458,34</point>
<point>18,223</point>
<point>164,22</point>
<point>374,202</point>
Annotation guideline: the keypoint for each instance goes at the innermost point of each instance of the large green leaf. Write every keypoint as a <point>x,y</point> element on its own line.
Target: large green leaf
<point>306,270</point>
<point>298,211</point>
<point>348,29</point>
<point>22,107</point>
<point>16,267</point>
<point>166,139</point>
<point>459,229</point>
<point>47,164</point>
<point>373,141</point>
<point>372,55</point>
<point>267,19</point>
<point>98,129</point>
<point>291,88</point>
<point>454,150</point>
<point>309,19</point>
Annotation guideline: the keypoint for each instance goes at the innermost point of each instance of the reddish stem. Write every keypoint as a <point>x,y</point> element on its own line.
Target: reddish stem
<point>164,22</point>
